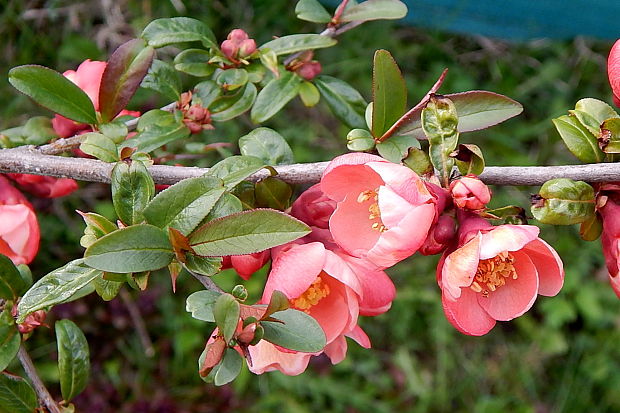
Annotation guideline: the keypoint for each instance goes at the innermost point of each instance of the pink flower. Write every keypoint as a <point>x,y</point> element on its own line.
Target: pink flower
<point>495,273</point>
<point>384,210</point>
<point>470,193</point>
<point>19,229</point>
<point>610,213</point>
<point>613,71</point>
<point>320,283</point>
<point>313,207</point>
<point>88,78</point>
<point>246,265</point>
<point>238,45</point>
<point>45,186</point>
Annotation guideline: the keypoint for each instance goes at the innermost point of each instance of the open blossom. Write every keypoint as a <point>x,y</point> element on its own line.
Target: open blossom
<point>384,210</point>
<point>19,229</point>
<point>322,284</point>
<point>495,273</point>
<point>45,186</point>
<point>470,193</point>
<point>613,71</point>
<point>610,238</point>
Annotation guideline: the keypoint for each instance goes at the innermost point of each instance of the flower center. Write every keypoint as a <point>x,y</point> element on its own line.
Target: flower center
<point>374,213</point>
<point>493,273</point>
<point>311,297</point>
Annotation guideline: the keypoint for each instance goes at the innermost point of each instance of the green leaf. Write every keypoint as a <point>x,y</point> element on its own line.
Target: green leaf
<point>53,91</point>
<point>206,266</point>
<point>132,249</point>
<point>16,395</point>
<point>60,285</point>
<point>158,134</point>
<point>126,68</point>
<point>272,192</point>
<point>598,109</point>
<point>234,169</point>
<point>360,140</point>
<point>563,201</point>
<point>609,138</point>
<point>246,233</point>
<point>194,62</point>
<point>419,162</point>
<point>96,227</point>
<point>375,10</point>
<point>476,109</point>
<point>73,359</point>
<point>587,120</point>
<point>267,145</point>
<point>439,121</point>
<point>200,304</point>
<point>162,78</point>
<point>132,189</point>
<point>269,59</point>
<point>397,147</point>
<point>578,139</point>
<point>99,146</point>
<point>163,32</point>
<point>36,131</point>
<point>277,302</point>
<point>591,229</point>
<point>226,312</point>
<point>206,93</point>
<point>184,205</point>
<point>228,204</point>
<point>240,103</point>
<point>343,100</point>
<point>226,370</point>
<point>389,93</point>
<point>11,283</point>
<point>117,131</point>
<point>309,94</point>
<point>231,79</point>
<point>312,11</point>
<point>10,339</point>
<point>297,43</point>
<point>107,289</point>
<point>276,94</point>
<point>469,159</point>
<point>297,331</point>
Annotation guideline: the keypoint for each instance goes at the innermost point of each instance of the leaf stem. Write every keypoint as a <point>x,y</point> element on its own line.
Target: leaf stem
<point>42,393</point>
<point>207,282</point>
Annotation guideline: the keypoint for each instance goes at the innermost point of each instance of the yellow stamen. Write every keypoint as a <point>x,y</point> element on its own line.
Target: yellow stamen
<point>493,273</point>
<point>311,297</point>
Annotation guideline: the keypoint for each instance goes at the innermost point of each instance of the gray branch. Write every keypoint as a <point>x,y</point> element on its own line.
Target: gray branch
<point>30,160</point>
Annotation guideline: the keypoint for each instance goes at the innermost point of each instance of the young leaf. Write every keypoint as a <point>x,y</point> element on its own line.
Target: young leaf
<point>360,140</point>
<point>200,304</point>
<point>56,287</point>
<point>158,134</point>
<point>591,229</point>
<point>206,266</point>
<point>267,145</point>
<point>309,94</point>
<point>563,201</point>
<point>206,92</point>
<point>418,161</point>
<point>10,339</point>
<point>194,62</point>
<point>277,302</point>
<point>246,233</point>
<point>312,11</point>
<point>184,205</point>
<point>107,289</point>
<point>226,313</point>
<point>228,204</point>
<point>73,359</point>
<point>344,101</point>
<point>126,68</point>
<point>53,91</point>
<point>116,130</point>
<point>609,138</point>
<point>396,148</point>
<point>276,94</point>
<point>439,121</point>
<point>240,103</point>
<point>234,169</point>
<point>476,109</point>
<point>272,192</point>
<point>598,109</point>
<point>132,189</point>
<point>163,32</point>
<point>162,78</point>
<point>16,395</point>
<point>297,331</point>
<point>297,43</point>
<point>578,139</point>
<point>99,146</point>
<point>11,283</point>
<point>231,79</point>
<point>375,10</point>
<point>226,370</point>
<point>389,93</point>
<point>469,159</point>
<point>133,249</point>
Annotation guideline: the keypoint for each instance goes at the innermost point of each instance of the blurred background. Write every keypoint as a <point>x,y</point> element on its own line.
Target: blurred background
<point>562,356</point>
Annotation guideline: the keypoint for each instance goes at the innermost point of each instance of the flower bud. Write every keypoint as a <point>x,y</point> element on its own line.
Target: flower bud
<point>469,192</point>
<point>229,49</point>
<point>237,35</point>
<point>238,45</point>
<point>309,70</point>
<point>246,335</point>
<point>32,321</point>
<point>240,292</point>
<point>247,47</point>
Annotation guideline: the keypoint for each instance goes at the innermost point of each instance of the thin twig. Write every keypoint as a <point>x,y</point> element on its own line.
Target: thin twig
<point>206,281</point>
<point>138,322</point>
<point>42,393</point>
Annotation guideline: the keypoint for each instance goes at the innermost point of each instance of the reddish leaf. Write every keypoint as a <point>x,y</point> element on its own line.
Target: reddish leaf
<point>215,351</point>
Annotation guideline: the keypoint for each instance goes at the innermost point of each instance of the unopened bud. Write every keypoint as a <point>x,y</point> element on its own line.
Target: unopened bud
<point>229,49</point>
<point>247,48</point>
<point>470,193</point>
<point>32,321</point>
<point>246,335</point>
<point>240,292</point>
<point>309,70</point>
<point>237,35</point>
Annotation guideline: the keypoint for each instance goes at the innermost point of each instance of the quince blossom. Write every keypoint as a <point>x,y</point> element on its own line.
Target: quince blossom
<point>19,229</point>
<point>495,273</point>
<point>610,237</point>
<point>613,71</point>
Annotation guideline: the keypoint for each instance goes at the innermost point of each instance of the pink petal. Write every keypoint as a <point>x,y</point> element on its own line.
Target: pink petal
<point>613,70</point>
<point>392,207</point>
<point>459,267</point>
<point>506,238</point>
<point>266,357</point>
<point>400,242</point>
<point>336,267</point>
<point>466,315</point>
<point>349,180</point>
<point>359,336</point>
<point>403,181</point>
<point>378,290</point>
<point>352,158</point>
<point>549,266</point>
<point>517,296</point>
<point>351,227</point>
<point>336,350</point>
<point>294,270</point>
<point>333,311</point>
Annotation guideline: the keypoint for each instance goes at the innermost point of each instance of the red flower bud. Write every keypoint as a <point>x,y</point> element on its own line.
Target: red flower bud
<point>613,71</point>
<point>32,321</point>
<point>471,193</point>
<point>309,70</point>
<point>237,35</point>
<point>247,48</point>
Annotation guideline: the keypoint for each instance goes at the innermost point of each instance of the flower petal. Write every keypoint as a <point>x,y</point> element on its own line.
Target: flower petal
<point>351,227</point>
<point>336,267</point>
<point>359,336</point>
<point>549,266</point>
<point>266,357</point>
<point>336,350</point>
<point>378,290</point>
<point>466,315</point>
<point>517,296</point>
<point>349,180</point>
<point>459,268</point>
<point>403,181</point>
<point>333,312</point>
<point>506,238</point>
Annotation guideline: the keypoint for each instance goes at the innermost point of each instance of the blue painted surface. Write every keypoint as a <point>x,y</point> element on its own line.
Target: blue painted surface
<point>518,19</point>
